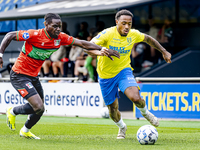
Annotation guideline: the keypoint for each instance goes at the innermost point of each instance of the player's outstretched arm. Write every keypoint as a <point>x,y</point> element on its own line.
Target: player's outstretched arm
<point>86,45</point>
<point>5,42</point>
<point>104,52</point>
<point>155,44</point>
<point>89,46</point>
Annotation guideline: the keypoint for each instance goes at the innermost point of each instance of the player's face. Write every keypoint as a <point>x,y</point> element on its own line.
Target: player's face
<point>124,24</point>
<point>54,28</point>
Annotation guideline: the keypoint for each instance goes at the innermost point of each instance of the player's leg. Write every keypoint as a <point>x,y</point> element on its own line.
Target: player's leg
<point>110,94</point>
<point>115,115</point>
<point>37,103</point>
<point>129,87</point>
<point>133,94</point>
<point>28,88</point>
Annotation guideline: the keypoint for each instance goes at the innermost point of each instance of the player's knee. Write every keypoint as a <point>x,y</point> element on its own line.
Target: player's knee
<point>136,99</point>
<point>39,109</point>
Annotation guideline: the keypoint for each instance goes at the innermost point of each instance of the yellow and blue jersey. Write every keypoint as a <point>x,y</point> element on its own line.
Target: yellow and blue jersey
<point>111,39</point>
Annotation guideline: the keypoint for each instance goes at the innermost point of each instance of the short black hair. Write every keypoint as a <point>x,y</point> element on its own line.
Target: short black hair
<point>48,17</point>
<point>123,12</point>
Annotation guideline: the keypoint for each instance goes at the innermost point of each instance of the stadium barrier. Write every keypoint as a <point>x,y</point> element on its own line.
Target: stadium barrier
<point>176,98</point>
<point>60,99</point>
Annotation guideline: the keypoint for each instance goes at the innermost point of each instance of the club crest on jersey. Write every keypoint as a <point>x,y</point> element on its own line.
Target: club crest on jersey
<point>56,42</point>
<point>29,85</point>
<point>129,40</point>
<point>25,35</point>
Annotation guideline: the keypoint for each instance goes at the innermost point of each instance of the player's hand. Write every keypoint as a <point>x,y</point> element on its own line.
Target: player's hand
<point>1,62</point>
<point>167,57</point>
<point>109,52</point>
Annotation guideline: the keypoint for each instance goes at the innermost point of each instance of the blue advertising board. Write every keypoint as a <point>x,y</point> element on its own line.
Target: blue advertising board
<point>171,100</point>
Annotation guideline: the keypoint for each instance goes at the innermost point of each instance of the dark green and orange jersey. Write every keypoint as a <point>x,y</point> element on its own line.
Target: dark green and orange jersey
<point>37,47</point>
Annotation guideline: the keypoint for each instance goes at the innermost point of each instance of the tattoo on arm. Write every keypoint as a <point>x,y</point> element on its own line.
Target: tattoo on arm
<point>153,43</point>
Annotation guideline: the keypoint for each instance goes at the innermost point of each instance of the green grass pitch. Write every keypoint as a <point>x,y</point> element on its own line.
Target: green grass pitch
<point>70,133</point>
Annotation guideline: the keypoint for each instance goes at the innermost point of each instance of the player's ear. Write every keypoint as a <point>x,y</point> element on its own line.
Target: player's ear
<point>45,23</point>
<point>116,21</point>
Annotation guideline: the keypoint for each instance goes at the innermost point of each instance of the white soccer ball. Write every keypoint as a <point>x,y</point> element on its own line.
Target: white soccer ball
<point>147,135</point>
<point>105,112</point>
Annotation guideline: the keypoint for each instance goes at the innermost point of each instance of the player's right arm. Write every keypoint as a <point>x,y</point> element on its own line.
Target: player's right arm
<point>4,44</point>
<point>103,52</point>
<point>91,46</point>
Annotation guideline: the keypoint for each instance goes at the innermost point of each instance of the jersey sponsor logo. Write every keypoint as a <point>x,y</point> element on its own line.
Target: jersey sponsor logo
<point>56,42</point>
<point>23,92</point>
<point>42,44</point>
<point>29,85</point>
<point>116,39</point>
<point>121,50</point>
<point>25,35</point>
<point>117,48</point>
<point>46,55</point>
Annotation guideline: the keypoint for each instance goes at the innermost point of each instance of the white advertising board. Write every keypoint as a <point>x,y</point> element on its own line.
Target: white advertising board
<point>60,99</point>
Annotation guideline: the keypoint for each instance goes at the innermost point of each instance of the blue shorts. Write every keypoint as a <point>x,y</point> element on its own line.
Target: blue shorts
<point>109,87</point>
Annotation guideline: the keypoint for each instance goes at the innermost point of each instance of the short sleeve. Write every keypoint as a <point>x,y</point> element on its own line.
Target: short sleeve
<point>101,38</point>
<point>66,39</point>
<point>140,36</point>
<point>26,35</point>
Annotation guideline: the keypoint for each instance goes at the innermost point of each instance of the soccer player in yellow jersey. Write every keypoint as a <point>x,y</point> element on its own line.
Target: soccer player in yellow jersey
<point>118,73</point>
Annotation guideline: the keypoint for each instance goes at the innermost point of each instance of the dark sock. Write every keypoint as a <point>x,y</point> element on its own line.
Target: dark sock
<point>56,75</point>
<point>32,120</point>
<point>23,109</point>
<point>46,74</point>
<point>84,78</point>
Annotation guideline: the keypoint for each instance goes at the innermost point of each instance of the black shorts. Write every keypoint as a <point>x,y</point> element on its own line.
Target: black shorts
<point>27,86</point>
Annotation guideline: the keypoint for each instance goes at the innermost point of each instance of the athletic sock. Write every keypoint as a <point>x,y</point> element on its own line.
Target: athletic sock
<point>25,129</point>
<point>23,109</point>
<point>32,120</point>
<point>120,124</point>
<point>143,110</point>
<point>11,111</point>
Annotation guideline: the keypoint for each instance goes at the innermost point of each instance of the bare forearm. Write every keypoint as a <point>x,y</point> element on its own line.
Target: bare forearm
<point>154,43</point>
<point>87,45</point>
<point>93,52</point>
<point>6,41</point>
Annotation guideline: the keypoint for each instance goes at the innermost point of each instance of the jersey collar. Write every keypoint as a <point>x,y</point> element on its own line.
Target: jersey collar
<point>45,31</point>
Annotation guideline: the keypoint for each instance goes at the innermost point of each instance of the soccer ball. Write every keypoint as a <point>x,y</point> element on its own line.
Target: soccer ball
<point>105,112</point>
<point>147,135</point>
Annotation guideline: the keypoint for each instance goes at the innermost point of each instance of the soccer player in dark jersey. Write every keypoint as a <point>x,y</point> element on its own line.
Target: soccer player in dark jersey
<point>38,46</point>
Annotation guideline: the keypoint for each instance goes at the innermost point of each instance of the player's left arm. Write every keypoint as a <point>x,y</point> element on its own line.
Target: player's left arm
<point>155,44</point>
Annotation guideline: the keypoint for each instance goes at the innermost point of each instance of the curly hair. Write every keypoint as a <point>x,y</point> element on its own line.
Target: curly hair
<point>123,12</point>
